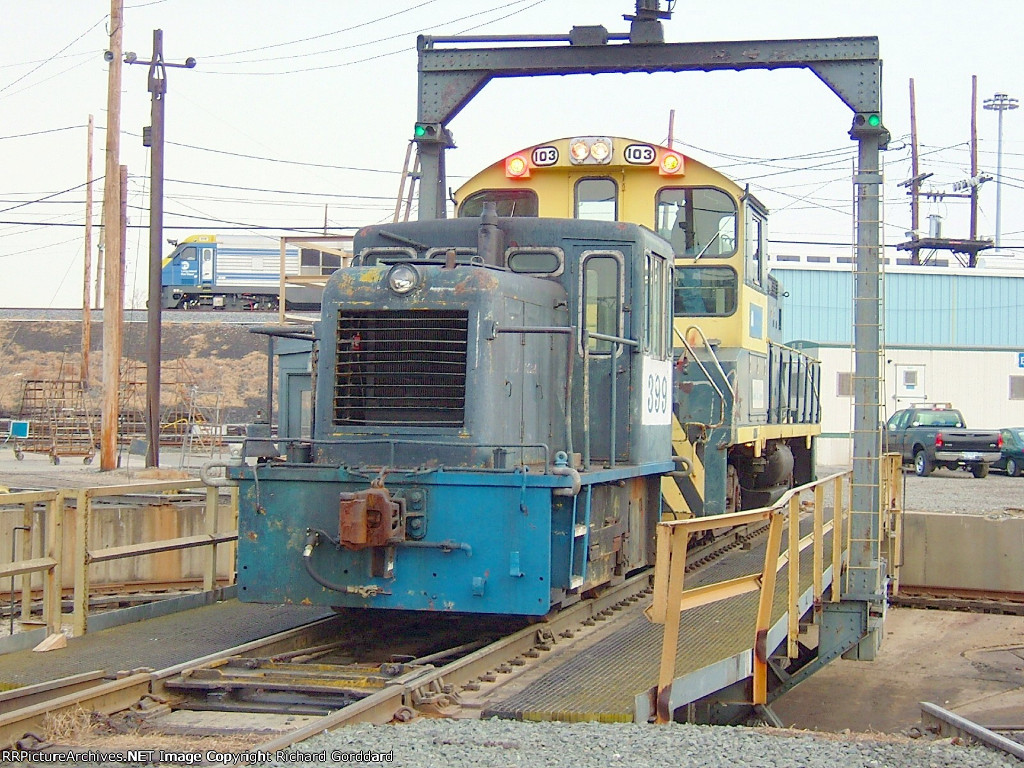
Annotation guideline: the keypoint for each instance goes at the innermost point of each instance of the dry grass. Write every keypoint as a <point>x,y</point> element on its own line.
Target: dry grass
<point>81,729</point>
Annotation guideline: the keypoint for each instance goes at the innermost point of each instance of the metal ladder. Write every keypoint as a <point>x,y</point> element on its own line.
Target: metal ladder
<point>410,178</point>
<point>870,570</point>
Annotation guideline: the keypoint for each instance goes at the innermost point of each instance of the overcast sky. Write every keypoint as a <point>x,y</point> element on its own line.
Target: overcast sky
<point>298,107</point>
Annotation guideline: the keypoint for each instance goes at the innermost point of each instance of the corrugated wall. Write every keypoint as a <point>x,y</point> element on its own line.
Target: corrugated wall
<point>921,309</point>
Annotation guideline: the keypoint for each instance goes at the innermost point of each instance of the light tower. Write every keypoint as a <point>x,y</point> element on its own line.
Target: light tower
<point>1000,103</point>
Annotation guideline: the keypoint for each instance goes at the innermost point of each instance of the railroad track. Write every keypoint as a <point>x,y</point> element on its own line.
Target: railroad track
<point>953,599</point>
<point>1008,739</point>
<point>333,672</point>
<point>287,687</point>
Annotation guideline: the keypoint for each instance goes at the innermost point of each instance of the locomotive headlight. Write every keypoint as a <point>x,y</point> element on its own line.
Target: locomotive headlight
<point>579,150</point>
<point>600,150</point>
<point>403,278</point>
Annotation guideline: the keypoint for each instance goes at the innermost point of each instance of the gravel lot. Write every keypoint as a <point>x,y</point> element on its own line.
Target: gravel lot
<point>958,492</point>
<point>946,490</point>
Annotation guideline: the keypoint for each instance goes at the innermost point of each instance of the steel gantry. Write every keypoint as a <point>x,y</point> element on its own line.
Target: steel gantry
<point>449,78</point>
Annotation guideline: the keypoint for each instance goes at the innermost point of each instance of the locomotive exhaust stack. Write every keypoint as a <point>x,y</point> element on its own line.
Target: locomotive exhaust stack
<point>490,240</point>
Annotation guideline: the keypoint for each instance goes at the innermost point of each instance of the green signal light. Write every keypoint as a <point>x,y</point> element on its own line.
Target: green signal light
<point>426,130</point>
<point>874,120</point>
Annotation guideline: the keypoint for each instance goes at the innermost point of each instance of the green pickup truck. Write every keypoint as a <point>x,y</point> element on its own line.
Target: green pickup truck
<point>930,435</point>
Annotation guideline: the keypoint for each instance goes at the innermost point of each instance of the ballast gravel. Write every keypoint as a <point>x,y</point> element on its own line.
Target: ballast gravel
<point>428,743</point>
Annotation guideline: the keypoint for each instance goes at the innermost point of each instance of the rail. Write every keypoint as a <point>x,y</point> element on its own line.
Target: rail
<point>670,598</point>
<point>59,540</point>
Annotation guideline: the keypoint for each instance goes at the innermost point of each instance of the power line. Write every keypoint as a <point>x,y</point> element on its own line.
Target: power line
<point>46,61</point>
<point>318,37</point>
<point>349,47</point>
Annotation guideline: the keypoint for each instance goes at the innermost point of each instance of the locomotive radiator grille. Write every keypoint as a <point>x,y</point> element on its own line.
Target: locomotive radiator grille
<point>401,368</point>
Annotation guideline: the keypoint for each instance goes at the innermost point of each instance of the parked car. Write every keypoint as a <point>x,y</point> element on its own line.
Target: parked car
<point>1011,458</point>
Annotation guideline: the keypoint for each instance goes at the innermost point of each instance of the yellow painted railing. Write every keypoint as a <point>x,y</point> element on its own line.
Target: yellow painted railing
<point>53,522</point>
<point>671,599</point>
<point>48,563</point>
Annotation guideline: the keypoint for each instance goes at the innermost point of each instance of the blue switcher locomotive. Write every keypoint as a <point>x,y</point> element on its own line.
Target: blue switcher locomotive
<point>492,422</point>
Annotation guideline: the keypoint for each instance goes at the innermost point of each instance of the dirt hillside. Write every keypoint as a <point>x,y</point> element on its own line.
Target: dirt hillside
<point>224,363</point>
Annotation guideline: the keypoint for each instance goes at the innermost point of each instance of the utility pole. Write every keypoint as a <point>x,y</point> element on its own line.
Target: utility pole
<point>87,267</point>
<point>1000,103</point>
<point>112,299</point>
<point>153,137</point>
<point>974,157</point>
<point>915,187</point>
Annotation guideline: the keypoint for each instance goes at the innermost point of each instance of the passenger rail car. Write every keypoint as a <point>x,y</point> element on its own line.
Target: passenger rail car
<point>746,407</point>
<point>204,272</point>
<point>492,422</point>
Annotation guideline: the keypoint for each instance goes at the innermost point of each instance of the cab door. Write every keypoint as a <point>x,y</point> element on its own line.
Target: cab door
<point>603,288</point>
<point>206,266</point>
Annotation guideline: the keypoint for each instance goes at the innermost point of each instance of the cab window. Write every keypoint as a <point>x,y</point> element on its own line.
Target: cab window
<point>602,298</point>
<point>698,221</point>
<point>656,278</point>
<point>705,291</point>
<point>755,234</point>
<point>596,200</point>
<point>510,202</point>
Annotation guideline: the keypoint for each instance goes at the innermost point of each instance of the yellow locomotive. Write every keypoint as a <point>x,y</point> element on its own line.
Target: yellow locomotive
<point>746,407</point>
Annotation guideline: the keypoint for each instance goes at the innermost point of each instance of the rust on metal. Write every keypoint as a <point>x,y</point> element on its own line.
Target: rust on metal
<point>370,518</point>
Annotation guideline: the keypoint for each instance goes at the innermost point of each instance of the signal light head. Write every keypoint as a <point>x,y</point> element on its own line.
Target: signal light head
<point>426,130</point>
<point>867,120</point>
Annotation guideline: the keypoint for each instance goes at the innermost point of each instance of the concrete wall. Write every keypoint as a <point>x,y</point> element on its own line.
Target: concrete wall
<point>981,552</point>
<point>116,526</point>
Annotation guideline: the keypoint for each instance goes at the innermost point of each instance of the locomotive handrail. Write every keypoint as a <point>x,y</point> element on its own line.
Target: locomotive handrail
<point>586,336</point>
<point>707,375</point>
<point>788,403</point>
<point>392,441</point>
<point>711,351</point>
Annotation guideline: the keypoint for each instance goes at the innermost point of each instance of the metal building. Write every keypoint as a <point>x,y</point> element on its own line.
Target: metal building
<point>950,334</point>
